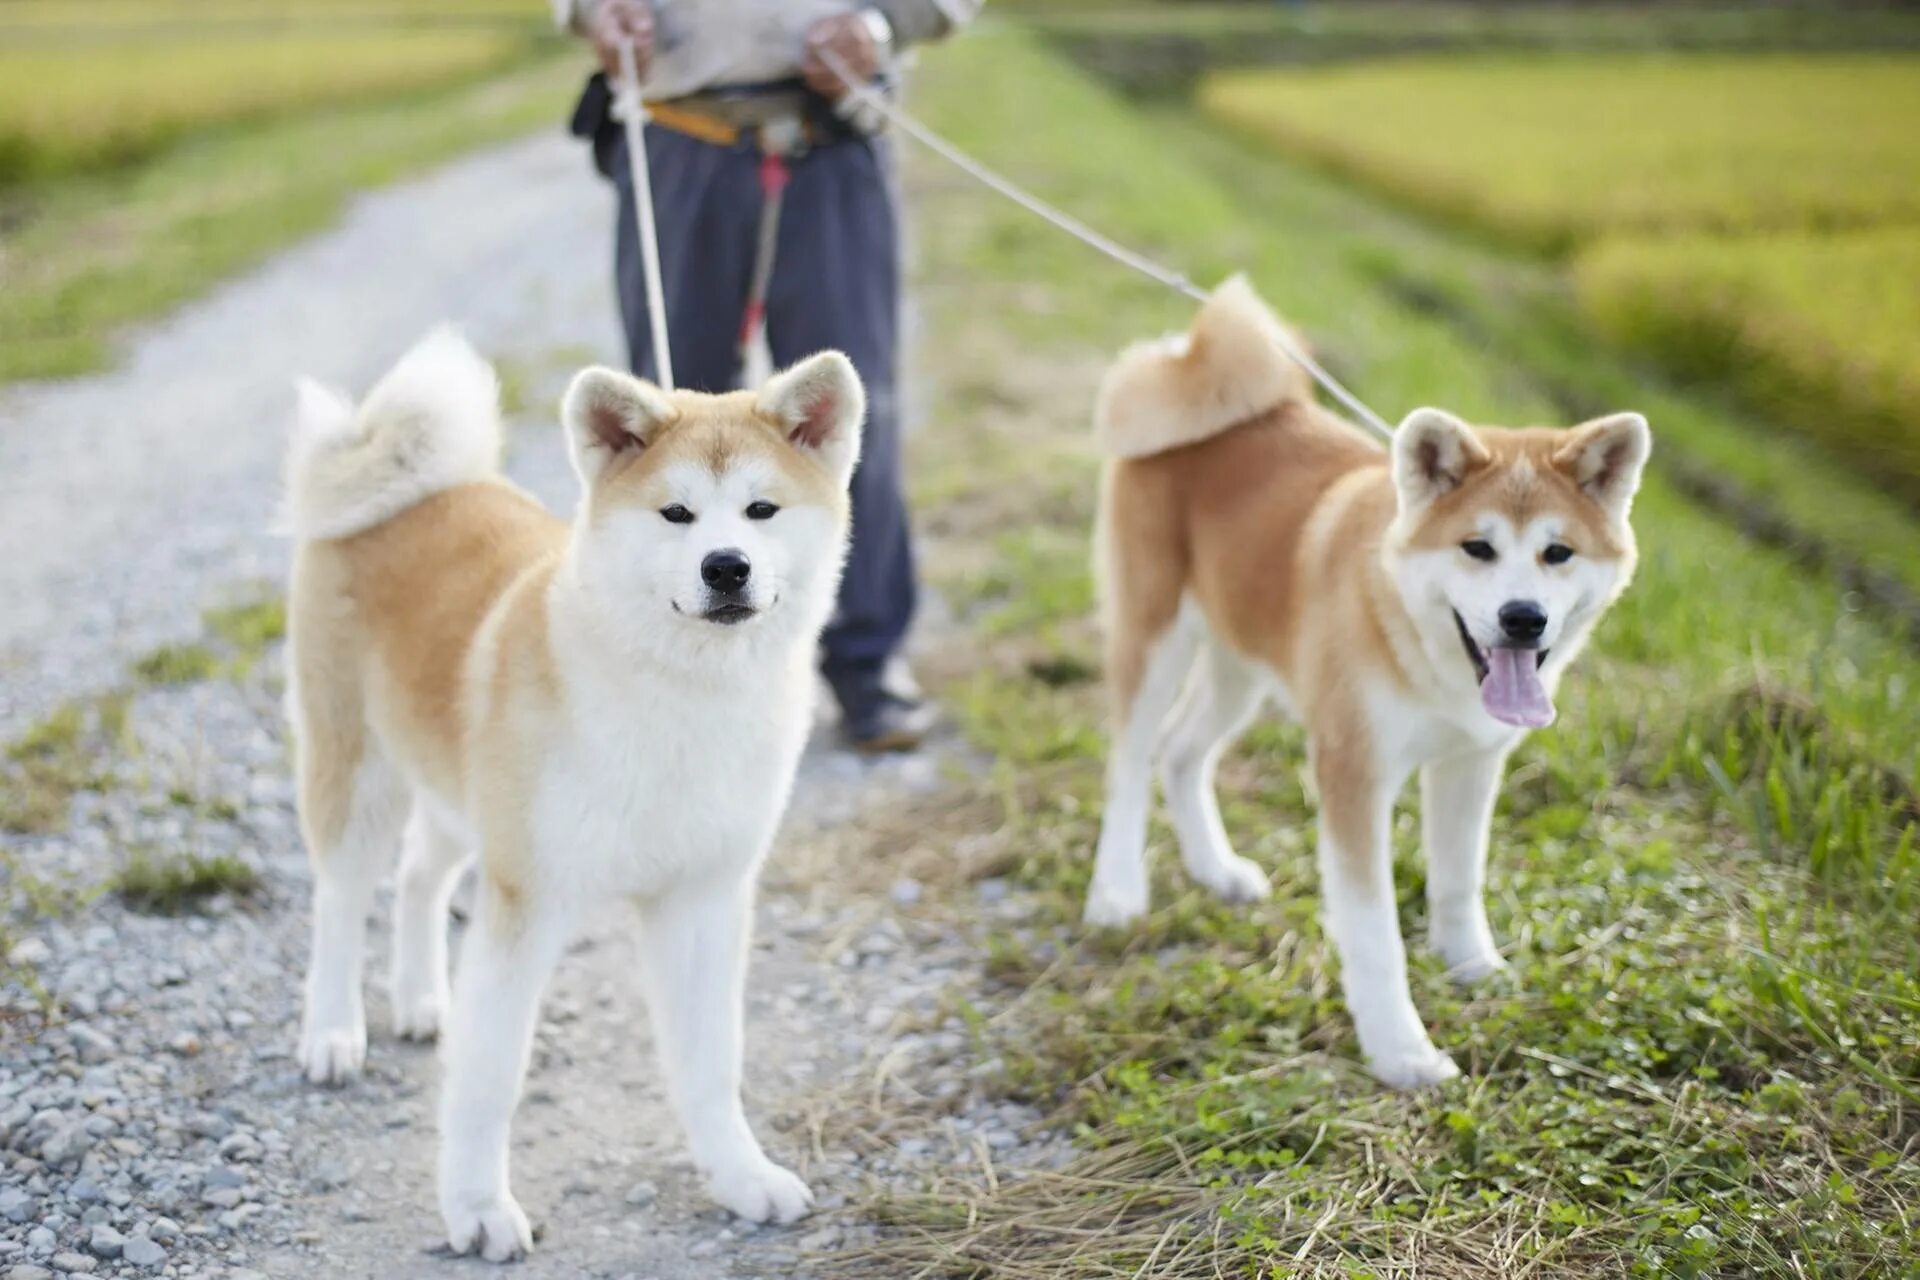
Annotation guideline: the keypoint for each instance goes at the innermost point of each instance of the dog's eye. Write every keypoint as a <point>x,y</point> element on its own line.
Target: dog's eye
<point>676,514</point>
<point>1478,548</point>
<point>761,511</point>
<point>1557,553</point>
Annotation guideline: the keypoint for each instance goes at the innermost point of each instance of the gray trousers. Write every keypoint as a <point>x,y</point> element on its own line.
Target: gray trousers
<point>836,283</point>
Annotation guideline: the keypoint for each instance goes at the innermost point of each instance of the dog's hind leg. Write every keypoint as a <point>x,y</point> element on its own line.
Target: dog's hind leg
<point>1224,696</point>
<point>508,955</point>
<point>1118,893</point>
<point>1456,812</point>
<point>696,940</point>
<point>353,812</point>
<point>429,862</point>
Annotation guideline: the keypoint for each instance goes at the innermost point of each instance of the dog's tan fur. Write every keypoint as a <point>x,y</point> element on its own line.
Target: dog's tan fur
<point>607,709</point>
<point>424,637</point>
<point>1235,501</point>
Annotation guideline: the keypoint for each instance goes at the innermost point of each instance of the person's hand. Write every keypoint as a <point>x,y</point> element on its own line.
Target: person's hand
<point>617,22</point>
<point>848,37</point>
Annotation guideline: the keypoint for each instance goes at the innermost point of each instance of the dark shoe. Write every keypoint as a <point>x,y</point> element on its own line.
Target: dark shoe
<point>888,722</point>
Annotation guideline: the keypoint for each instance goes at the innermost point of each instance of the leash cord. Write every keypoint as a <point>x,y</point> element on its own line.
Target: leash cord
<point>634,117</point>
<point>866,95</point>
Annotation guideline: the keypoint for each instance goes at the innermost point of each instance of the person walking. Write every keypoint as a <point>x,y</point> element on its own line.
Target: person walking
<point>777,217</point>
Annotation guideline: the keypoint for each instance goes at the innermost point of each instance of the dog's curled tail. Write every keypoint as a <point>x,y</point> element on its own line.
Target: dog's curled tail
<point>1186,387</point>
<point>432,423</point>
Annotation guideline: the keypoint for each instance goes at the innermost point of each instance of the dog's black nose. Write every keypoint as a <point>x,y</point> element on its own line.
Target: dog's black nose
<point>1523,621</point>
<point>725,571</point>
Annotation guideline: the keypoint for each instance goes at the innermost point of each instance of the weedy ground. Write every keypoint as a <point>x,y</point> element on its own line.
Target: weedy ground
<point>89,745</point>
<point>1707,1060</point>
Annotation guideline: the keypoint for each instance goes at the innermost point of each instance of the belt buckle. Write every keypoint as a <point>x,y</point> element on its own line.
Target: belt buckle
<point>783,136</point>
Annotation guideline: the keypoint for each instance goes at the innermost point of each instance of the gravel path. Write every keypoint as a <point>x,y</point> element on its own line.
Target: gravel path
<point>157,1125</point>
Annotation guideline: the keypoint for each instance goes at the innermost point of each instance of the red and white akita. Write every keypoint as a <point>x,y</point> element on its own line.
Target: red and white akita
<point>606,709</point>
<point>1413,607</point>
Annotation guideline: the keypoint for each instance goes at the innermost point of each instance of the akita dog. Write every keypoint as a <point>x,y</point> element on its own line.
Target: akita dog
<point>612,709</point>
<point>1414,607</point>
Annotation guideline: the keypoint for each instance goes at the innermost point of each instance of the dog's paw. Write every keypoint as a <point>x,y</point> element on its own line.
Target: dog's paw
<point>1418,1068</point>
<point>1237,879</point>
<point>332,1055</point>
<point>762,1191</point>
<point>1108,909</point>
<point>419,1015</point>
<point>1474,967</point>
<point>493,1227</point>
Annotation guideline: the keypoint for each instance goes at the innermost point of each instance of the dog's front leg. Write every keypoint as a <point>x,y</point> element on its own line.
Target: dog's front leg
<point>1356,892</point>
<point>505,962</point>
<point>1456,812</point>
<point>695,941</point>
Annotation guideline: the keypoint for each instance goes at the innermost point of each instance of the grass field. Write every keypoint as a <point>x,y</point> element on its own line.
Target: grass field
<point>66,108</point>
<point>104,249</point>
<point>1708,1061</point>
<point>1739,220</point>
<point>1821,328</point>
<point>150,147</point>
<point>1551,152</point>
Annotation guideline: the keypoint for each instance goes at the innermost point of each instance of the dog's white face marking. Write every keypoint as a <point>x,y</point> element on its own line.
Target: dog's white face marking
<point>721,513</point>
<point>1507,546</point>
<point>1540,563</point>
<point>729,547</point>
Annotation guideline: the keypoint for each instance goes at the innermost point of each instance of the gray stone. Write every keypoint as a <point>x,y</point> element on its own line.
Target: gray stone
<point>106,1242</point>
<point>642,1194</point>
<point>27,1271</point>
<point>143,1252</point>
<point>17,1206</point>
<point>75,1264</point>
<point>94,1045</point>
<point>29,953</point>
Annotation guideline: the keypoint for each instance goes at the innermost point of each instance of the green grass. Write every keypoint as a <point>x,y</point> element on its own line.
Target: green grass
<point>1824,330</point>
<point>1606,144</point>
<point>177,884</point>
<point>66,107</point>
<point>177,664</point>
<point>58,757</point>
<point>250,628</point>
<point>87,255</point>
<point>1708,1061</point>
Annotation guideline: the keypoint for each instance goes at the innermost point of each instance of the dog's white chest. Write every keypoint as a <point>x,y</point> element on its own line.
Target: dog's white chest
<point>682,783</point>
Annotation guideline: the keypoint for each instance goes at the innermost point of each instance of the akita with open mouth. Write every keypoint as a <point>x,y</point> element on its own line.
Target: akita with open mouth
<point>1414,607</point>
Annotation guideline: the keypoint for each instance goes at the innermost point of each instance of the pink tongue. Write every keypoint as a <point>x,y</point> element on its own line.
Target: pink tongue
<point>1512,692</point>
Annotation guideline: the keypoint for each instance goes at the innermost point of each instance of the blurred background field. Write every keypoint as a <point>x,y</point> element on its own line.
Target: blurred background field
<point>150,147</point>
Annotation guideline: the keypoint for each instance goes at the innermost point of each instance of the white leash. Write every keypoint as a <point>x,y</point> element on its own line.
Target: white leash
<point>633,113</point>
<point>872,99</point>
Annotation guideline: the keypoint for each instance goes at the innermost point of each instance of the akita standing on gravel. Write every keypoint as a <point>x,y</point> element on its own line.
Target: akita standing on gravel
<point>1413,607</point>
<point>610,709</point>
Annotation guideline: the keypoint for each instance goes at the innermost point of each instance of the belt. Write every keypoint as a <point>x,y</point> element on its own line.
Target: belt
<point>771,122</point>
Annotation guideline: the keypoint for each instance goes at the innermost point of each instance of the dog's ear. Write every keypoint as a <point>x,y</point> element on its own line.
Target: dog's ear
<point>608,416</point>
<point>1433,453</point>
<point>820,404</point>
<point>1605,458</point>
